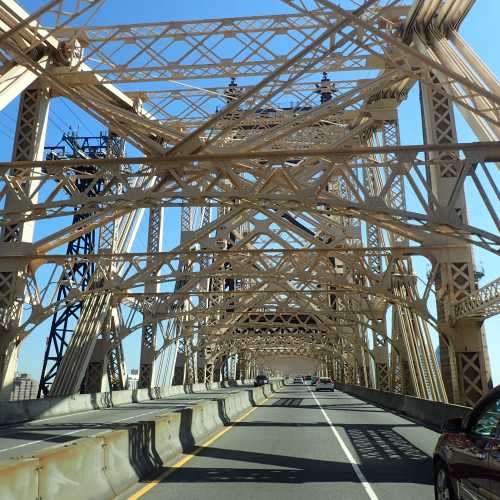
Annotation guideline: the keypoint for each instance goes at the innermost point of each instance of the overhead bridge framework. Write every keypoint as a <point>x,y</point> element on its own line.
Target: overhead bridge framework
<point>306,229</point>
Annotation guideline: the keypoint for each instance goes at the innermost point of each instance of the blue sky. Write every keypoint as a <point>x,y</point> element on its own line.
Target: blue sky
<point>477,29</point>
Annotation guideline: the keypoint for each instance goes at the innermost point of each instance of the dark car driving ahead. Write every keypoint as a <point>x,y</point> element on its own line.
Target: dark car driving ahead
<point>261,380</point>
<point>467,455</point>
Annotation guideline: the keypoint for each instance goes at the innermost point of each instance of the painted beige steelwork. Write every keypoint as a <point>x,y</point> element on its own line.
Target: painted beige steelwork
<point>305,224</point>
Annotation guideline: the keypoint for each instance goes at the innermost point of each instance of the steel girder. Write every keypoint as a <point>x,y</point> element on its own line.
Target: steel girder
<point>276,185</point>
<point>301,185</point>
<point>201,52</point>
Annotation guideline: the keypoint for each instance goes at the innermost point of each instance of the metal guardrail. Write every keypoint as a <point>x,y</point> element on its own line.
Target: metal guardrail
<point>484,303</point>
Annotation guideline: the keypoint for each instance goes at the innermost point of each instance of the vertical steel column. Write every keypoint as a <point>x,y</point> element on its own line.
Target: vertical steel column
<point>208,371</point>
<point>242,365</point>
<point>330,365</point>
<point>386,378</point>
<point>79,275</point>
<point>94,358</point>
<point>465,368</point>
<point>190,365</point>
<point>28,145</point>
<point>204,364</point>
<point>106,370</point>
<point>396,199</point>
<point>352,369</point>
<point>405,381</point>
<point>391,138</point>
<point>76,362</point>
<point>148,341</point>
<point>418,373</point>
<point>183,373</point>
<point>380,352</point>
<point>217,368</point>
<point>339,372</point>
<point>375,239</point>
<point>231,367</point>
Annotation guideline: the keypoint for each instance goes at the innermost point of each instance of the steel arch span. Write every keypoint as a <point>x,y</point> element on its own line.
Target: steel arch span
<point>273,143</point>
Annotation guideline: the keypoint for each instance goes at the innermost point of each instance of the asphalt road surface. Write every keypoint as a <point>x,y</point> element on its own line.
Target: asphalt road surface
<point>25,440</point>
<point>305,445</point>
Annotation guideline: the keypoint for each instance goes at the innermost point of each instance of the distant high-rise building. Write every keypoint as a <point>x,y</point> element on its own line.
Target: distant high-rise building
<point>133,379</point>
<point>25,387</point>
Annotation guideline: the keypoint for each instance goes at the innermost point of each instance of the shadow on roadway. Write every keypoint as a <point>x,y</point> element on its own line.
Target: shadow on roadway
<point>385,453</point>
<point>294,402</point>
<point>398,461</point>
<point>282,469</point>
<point>265,423</point>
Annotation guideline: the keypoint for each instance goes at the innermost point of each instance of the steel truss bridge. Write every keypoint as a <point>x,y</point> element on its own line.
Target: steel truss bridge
<point>302,215</point>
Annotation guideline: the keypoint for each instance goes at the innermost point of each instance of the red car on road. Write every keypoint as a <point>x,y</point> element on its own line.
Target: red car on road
<point>467,455</point>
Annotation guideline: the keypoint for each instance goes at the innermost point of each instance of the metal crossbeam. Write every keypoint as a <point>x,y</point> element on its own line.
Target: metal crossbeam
<point>300,212</point>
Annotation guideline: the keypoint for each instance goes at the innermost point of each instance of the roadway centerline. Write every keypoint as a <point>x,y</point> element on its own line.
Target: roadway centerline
<point>362,479</point>
<point>284,450</point>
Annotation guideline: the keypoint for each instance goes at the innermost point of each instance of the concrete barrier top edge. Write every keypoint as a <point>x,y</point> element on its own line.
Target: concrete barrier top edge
<point>378,391</point>
<point>12,412</point>
<point>67,447</point>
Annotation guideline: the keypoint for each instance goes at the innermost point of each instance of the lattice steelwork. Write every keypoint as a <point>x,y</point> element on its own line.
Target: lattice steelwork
<point>277,138</point>
<point>79,275</point>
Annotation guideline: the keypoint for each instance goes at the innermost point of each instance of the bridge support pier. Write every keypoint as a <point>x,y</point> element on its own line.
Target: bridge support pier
<point>380,352</point>
<point>402,382</point>
<point>106,369</point>
<point>241,367</point>
<point>190,363</point>
<point>465,367</point>
<point>148,340</point>
<point>96,376</point>
<point>29,142</point>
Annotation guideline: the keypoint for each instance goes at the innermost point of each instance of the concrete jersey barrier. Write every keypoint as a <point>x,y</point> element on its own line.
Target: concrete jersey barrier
<point>103,466</point>
<point>431,413</point>
<point>14,412</point>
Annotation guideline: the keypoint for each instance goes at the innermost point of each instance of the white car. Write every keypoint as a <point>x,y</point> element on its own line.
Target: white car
<point>325,384</point>
<point>298,380</point>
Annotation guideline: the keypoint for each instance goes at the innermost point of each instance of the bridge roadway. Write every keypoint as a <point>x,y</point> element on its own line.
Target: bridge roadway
<point>303,445</point>
<point>28,439</point>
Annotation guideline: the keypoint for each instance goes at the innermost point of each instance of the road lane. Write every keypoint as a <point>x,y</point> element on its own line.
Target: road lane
<point>25,440</point>
<point>394,454</point>
<point>347,452</point>
<point>286,450</point>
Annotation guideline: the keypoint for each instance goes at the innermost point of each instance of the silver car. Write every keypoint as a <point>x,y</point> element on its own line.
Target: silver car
<point>325,384</point>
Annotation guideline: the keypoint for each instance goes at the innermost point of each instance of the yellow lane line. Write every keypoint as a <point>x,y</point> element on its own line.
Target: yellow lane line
<point>184,460</point>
